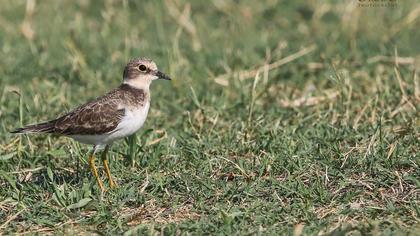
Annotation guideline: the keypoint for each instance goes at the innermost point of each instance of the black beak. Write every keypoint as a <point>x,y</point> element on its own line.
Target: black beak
<point>161,75</point>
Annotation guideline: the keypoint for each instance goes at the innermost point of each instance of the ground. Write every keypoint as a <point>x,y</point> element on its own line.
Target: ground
<point>281,118</point>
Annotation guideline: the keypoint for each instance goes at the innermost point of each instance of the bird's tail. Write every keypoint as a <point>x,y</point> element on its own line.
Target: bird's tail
<point>45,127</point>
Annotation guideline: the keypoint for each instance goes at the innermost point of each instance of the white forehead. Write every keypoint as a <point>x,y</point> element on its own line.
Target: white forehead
<point>151,65</point>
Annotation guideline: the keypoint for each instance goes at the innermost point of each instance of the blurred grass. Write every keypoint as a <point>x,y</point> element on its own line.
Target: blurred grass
<point>326,143</point>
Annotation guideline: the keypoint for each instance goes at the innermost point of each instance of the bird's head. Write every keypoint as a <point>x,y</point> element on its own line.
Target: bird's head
<point>140,72</point>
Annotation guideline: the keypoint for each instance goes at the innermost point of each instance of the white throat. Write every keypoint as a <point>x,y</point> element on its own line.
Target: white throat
<point>139,83</point>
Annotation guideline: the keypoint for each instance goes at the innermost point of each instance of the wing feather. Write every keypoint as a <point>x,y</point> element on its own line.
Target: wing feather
<point>97,117</point>
<point>100,116</point>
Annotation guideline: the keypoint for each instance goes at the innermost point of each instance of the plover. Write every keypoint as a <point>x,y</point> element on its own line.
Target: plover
<point>116,115</point>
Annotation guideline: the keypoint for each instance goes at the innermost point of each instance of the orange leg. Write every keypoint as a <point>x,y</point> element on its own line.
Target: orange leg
<point>108,172</point>
<point>94,171</point>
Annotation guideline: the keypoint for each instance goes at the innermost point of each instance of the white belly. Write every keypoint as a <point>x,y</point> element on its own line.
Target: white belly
<point>132,121</point>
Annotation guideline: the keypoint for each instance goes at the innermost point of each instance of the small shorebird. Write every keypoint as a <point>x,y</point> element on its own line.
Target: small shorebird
<point>116,115</point>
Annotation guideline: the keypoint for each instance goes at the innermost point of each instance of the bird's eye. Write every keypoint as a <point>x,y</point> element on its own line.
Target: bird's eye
<point>142,68</point>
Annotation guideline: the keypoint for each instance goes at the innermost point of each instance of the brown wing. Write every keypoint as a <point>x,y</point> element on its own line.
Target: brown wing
<point>96,117</point>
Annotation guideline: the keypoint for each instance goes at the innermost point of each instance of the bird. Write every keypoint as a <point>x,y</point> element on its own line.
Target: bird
<point>113,116</point>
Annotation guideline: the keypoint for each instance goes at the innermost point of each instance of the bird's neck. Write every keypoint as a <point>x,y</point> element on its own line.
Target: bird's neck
<point>138,84</point>
<point>135,96</point>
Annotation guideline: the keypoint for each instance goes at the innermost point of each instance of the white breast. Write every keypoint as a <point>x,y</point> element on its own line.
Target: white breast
<point>132,121</point>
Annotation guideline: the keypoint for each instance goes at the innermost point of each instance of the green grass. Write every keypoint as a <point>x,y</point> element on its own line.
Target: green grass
<point>328,142</point>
